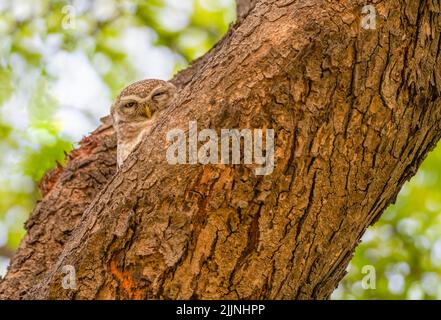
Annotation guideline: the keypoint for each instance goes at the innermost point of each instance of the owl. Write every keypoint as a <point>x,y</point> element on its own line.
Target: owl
<point>134,111</point>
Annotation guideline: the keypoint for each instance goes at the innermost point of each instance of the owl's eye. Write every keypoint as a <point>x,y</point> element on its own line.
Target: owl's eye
<point>159,94</point>
<point>130,105</point>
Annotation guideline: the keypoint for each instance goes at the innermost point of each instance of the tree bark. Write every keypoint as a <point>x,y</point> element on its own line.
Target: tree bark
<point>354,111</point>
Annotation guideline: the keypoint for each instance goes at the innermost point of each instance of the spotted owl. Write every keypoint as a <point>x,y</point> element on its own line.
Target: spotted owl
<point>134,111</point>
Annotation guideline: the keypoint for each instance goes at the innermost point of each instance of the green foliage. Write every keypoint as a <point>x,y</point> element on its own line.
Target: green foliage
<point>6,87</point>
<point>50,149</point>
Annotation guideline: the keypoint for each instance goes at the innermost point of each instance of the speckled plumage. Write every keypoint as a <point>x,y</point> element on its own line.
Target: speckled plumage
<point>135,110</point>
<point>141,88</point>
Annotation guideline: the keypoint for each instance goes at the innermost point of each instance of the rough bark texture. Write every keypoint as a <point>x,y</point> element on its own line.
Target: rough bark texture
<point>355,112</point>
<point>244,8</point>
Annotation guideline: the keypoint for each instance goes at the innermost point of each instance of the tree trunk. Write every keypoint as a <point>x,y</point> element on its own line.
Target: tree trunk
<point>354,111</point>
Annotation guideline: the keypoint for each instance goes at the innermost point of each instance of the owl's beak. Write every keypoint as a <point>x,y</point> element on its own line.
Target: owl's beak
<point>148,112</point>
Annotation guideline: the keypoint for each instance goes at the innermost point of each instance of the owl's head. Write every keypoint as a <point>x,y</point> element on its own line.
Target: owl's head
<point>141,100</point>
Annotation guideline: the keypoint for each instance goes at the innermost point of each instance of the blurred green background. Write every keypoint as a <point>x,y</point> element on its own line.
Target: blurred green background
<point>62,62</point>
